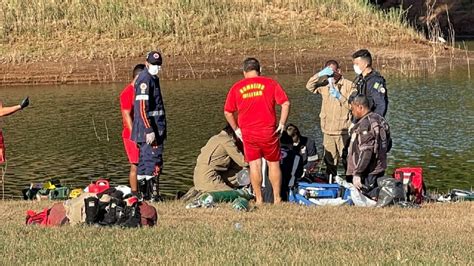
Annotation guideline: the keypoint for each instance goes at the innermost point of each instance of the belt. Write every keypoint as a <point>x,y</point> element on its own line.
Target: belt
<point>156,113</point>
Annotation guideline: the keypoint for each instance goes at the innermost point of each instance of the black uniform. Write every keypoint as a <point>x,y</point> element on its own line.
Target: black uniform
<point>373,86</point>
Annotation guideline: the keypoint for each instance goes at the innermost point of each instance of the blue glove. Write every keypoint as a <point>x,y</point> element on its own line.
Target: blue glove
<point>326,72</point>
<point>335,93</point>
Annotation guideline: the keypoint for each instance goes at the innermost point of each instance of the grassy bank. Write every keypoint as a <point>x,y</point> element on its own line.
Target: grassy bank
<point>58,30</point>
<point>434,234</point>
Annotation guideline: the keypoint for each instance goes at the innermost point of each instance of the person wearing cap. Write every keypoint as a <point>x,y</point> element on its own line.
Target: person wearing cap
<point>335,116</point>
<point>127,98</point>
<point>149,127</point>
<point>6,111</point>
<point>253,101</point>
<point>218,164</point>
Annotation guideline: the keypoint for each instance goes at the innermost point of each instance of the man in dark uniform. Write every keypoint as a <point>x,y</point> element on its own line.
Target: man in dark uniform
<point>369,82</point>
<point>367,158</point>
<point>149,127</point>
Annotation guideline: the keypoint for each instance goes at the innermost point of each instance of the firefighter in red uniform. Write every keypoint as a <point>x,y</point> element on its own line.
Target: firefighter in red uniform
<point>5,111</point>
<point>127,97</point>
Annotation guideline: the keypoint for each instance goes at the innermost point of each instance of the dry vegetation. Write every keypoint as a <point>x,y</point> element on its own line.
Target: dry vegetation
<point>288,234</point>
<point>50,30</point>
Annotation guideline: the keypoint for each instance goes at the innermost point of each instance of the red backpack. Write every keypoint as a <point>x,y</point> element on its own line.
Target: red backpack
<point>412,179</point>
<point>40,218</point>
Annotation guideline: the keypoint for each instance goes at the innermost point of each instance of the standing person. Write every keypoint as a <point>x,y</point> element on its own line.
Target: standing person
<point>370,142</point>
<point>369,82</point>
<point>291,164</point>
<point>6,111</point>
<point>127,97</point>
<point>149,127</point>
<point>253,99</point>
<point>335,115</point>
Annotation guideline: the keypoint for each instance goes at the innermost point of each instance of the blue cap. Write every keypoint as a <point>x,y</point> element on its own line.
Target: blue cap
<point>154,58</point>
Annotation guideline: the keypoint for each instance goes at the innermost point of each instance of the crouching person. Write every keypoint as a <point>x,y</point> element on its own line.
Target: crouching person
<point>291,164</point>
<point>369,144</point>
<point>218,164</point>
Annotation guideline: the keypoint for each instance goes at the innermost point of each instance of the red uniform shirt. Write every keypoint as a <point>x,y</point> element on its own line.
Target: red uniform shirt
<point>254,99</point>
<point>127,97</point>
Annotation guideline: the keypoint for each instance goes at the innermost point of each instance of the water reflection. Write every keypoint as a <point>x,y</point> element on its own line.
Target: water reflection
<point>74,132</point>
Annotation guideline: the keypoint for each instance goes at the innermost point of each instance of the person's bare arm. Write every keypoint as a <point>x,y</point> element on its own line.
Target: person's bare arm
<point>127,118</point>
<point>4,111</point>
<point>285,111</point>
<point>230,117</point>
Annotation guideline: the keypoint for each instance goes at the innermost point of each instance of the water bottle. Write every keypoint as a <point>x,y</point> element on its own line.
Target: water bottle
<point>240,204</point>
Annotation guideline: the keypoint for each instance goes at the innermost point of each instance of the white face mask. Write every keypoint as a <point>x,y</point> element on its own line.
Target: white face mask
<point>153,69</point>
<point>357,70</point>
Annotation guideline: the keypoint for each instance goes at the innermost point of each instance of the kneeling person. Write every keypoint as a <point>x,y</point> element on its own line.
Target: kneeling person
<point>219,162</point>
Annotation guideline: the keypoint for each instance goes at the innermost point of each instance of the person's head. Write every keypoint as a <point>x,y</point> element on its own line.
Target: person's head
<point>293,132</point>
<point>136,70</point>
<point>362,60</point>
<point>360,106</point>
<point>251,67</point>
<point>153,62</point>
<point>334,65</point>
<point>228,129</point>
<point>286,140</point>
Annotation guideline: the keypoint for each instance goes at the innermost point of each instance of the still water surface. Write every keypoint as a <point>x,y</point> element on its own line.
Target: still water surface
<point>432,120</point>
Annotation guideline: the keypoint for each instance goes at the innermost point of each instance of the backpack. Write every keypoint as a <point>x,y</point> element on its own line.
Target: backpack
<point>40,218</point>
<point>381,128</point>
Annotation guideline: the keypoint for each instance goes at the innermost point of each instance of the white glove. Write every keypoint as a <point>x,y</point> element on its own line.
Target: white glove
<point>150,137</point>
<point>357,182</point>
<point>238,133</point>
<point>280,129</point>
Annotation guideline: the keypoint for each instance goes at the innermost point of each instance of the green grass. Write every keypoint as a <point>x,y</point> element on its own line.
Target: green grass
<point>288,234</point>
<point>90,29</point>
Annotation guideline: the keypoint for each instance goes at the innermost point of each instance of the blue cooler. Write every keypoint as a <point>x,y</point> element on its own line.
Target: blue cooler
<point>304,191</point>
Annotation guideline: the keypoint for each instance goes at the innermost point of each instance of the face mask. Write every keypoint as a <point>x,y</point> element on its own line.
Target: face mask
<point>357,70</point>
<point>153,69</point>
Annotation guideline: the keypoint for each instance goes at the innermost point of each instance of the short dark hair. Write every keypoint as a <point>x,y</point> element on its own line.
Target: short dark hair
<point>361,99</point>
<point>251,64</point>
<point>364,54</point>
<point>293,130</point>
<point>332,62</point>
<point>137,69</point>
<point>285,139</point>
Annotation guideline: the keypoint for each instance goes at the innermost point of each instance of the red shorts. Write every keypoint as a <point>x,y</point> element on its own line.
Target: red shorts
<point>131,149</point>
<point>269,150</point>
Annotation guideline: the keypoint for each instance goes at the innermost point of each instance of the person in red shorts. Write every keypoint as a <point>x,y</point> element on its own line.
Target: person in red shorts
<point>127,97</point>
<point>253,101</point>
<point>6,111</point>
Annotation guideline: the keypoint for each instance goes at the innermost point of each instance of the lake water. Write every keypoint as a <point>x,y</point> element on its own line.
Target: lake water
<point>432,120</point>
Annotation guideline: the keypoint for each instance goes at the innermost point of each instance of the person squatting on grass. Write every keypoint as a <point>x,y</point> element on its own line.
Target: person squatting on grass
<point>6,111</point>
<point>304,146</point>
<point>149,127</point>
<point>127,97</point>
<point>253,100</point>
<point>218,164</point>
<point>335,115</point>
<point>367,158</point>
<point>369,82</point>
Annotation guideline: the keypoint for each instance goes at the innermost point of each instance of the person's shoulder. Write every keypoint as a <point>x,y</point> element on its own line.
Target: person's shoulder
<point>143,77</point>
<point>127,92</point>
